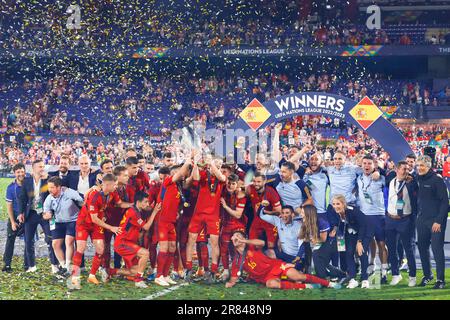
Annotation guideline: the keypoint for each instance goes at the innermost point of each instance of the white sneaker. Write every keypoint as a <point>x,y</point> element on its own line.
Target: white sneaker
<point>169,280</point>
<point>225,275</point>
<point>352,284</point>
<point>365,284</point>
<point>161,281</point>
<point>32,269</point>
<point>396,279</point>
<point>141,284</point>
<point>412,282</point>
<point>103,274</point>
<point>55,269</point>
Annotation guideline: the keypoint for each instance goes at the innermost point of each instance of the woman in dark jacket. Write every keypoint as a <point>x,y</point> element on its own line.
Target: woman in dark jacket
<point>348,228</point>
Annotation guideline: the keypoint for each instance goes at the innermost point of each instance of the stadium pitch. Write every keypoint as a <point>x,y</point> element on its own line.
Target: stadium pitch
<point>43,286</point>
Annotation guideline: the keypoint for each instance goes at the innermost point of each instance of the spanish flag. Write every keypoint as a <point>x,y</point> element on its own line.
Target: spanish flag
<point>255,114</point>
<point>365,113</point>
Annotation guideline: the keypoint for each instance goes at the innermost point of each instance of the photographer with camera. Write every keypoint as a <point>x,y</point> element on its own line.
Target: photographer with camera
<point>15,222</point>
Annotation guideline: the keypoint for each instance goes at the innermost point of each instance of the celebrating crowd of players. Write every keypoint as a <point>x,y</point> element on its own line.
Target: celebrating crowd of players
<point>294,226</point>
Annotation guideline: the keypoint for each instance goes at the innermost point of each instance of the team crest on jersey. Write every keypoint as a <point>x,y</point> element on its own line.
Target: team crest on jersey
<point>140,221</point>
<point>91,208</point>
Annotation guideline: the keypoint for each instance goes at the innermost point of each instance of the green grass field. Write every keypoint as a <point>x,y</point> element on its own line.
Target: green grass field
<point>43,286</point>
<point>3,185</point>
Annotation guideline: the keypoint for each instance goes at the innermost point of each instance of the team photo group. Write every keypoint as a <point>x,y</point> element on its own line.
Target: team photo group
<point>297,220</point>
<point>224,150</point>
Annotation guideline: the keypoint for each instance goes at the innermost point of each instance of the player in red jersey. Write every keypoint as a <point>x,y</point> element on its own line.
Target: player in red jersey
<point>232,219</point>
<point>151,237</point>
<point>114,214</point>
<point>172,199</point>
<point>90,224</point>
<point>268,271</point>
<point>211,181</point>
<point>190,192</point>
<point>262,194</point>
<point>126,243</point>
<point>139,180</point>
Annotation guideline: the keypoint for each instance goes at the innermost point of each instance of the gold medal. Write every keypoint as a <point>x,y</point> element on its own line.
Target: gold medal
<point>186,204</point>
<point>264,203</point>
<point>213,194</point>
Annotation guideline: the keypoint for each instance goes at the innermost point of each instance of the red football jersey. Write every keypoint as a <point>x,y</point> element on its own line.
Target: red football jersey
<point>153,191</point>
<point>269,194</point>
<point>171,198</point>
<point>140,182</point>
<point>96,203</point>
<point>228,221</point>
<point>114,214</point>
<point>256,264</point>
<point>206,202</point>
<point>131,226</point>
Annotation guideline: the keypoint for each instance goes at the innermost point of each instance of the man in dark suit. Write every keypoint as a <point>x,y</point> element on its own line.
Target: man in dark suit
<point>32,197</point>
<point>63,172</point>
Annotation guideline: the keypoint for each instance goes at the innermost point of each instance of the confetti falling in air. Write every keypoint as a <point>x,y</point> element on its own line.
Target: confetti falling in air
<point>86,82</point>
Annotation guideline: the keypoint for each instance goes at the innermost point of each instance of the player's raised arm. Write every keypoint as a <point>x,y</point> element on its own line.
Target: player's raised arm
<point>253,242</point>
<point>184,171</point>
<point>215,171</point>
<point>297,156</point>
<point>276,153</point>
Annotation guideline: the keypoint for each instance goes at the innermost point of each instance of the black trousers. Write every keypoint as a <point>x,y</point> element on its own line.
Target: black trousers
<point>31,223</point>
<point>425,237</point>
<point>322,266</point>
<point>287,258</point>
<point>9,246</point>
<point>401,231</point>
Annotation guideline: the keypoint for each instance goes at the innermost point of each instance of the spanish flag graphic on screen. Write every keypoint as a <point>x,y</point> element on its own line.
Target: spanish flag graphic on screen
<point>365,113</point>
<point>255,114</point>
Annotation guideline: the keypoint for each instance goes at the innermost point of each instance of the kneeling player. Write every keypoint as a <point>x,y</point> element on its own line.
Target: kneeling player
<point>267,271</point>
<point>126,243</point>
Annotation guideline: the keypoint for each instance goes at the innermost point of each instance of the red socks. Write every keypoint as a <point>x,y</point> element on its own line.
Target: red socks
<point>162,258</point>
<point>188,265</point>
<point>314,279</point>
<point>288,285</point>
<point>76,262</point>
<point>214,268</point>
<point>112,271</point>
<point>96,263</point>
<point>203,255</point>
<point>168,263</point>
<point>138,277</point>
